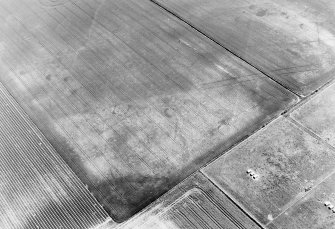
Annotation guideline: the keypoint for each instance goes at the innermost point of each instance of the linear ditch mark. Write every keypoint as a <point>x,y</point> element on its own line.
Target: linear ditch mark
<point>218,43</point>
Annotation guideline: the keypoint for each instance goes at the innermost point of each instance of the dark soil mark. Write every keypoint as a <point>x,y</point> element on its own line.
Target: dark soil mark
<point>48,77</point>
<point>125,196</point>
<point>261,13</point>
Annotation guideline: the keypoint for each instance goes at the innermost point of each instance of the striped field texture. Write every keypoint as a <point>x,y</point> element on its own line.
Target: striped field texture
<point>37,188</point>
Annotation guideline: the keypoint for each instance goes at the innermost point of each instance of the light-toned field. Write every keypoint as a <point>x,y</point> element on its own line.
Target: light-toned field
<point>292,41</point>
<point>288,161</point>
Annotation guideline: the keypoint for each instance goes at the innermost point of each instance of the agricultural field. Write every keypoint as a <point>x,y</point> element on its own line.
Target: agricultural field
<point>290,41</point>
<point>133,99</point>
<point>37,188</point>
<point>167,114</point>
<point>195,203</point>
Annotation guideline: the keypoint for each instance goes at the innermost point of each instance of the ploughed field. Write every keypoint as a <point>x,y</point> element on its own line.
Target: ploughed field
<point>38,189</point>
<point>133,99</point>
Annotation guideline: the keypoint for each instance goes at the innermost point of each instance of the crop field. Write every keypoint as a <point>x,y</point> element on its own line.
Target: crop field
<point>290,41</point>
<point>224,106</point>
<point>132,99</point>
<point>195,203</point>
<point>37,189</point>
